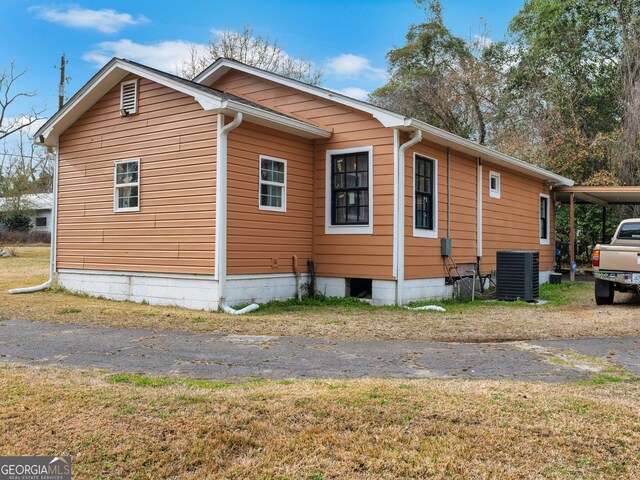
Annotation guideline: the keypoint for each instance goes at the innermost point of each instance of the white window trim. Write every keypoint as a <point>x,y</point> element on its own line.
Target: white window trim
<point>261,182</point>
<point>133,184</point>
<point>423,232</point>
<point>135,103</point>
<point>495,193</point>
<point>347,229</point>
<point>545,241</point>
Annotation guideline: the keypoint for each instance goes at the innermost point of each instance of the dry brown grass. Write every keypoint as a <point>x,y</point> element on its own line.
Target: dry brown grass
<point>323,429</point>
<point>578,317</point>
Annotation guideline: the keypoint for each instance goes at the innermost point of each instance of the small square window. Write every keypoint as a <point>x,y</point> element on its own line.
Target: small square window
<point>41,222</point>
<point>494,185</point>
<point>273,184</point>
<point>127,186</point>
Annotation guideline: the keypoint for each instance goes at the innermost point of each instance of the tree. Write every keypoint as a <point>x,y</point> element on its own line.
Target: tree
<point>566,71</point>
<point>254,50</point>
<point>25,168</point>
<point>628,146</point>
<point>8,96</point>
<point>443,79</point>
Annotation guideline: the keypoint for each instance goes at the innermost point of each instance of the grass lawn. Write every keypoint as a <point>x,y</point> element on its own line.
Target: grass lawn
<point>126,427</point>
<point>571,312</point>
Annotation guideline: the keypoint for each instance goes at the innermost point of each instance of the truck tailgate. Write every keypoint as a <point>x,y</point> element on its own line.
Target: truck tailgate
<point>619,258</point>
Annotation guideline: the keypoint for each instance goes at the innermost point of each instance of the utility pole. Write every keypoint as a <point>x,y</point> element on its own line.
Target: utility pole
<point>63,63</point>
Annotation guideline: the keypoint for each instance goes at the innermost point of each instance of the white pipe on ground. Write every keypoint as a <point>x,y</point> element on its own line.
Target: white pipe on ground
<point>233,311</point>
<point>54,225</point>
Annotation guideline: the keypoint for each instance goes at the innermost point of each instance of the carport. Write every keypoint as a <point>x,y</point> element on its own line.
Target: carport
<point>603,196</point>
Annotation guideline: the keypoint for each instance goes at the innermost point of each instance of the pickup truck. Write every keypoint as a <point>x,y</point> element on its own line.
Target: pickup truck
<point>617,266</point>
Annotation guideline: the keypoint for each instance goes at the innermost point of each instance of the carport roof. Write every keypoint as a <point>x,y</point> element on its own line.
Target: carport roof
<point>599,195</point>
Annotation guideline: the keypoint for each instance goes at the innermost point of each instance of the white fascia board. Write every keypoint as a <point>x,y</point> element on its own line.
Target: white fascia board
<point>222,66</point>
<point>114,71</point>
<point>275,121</point>
<point>475,149</point>
<point>385,117</point>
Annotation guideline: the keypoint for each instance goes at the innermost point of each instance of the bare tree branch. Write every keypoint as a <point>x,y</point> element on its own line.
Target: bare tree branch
<point>252,49</point>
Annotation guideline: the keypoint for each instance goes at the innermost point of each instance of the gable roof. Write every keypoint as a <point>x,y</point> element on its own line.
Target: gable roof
<point>208,98</point>
<point>387,118</point>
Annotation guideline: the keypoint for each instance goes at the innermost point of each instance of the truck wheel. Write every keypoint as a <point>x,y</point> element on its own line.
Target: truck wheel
<point>604,292</point>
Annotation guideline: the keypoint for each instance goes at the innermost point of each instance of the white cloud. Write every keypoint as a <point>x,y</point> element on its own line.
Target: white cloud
<point>355,92</point>
<point>482,41</point>
<point>166,55</point>
<point>105,20</point>
<point>348,65</point>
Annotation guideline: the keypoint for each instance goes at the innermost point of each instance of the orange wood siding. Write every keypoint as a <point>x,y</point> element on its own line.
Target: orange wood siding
<point>512,222</point>
<point>422,255</point>
<point>174,231</point>
<point>364,256</point>
<point>262,241</point>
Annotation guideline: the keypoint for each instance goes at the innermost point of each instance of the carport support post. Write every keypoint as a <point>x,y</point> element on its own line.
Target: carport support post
<point>604,224</point>
<point>572,238</point>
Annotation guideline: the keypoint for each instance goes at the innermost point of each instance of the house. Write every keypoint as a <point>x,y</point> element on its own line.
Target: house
<point>40,206</point>
<point>228,188</point>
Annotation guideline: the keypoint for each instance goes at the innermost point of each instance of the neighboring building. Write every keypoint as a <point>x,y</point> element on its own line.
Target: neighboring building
<point>196,193</point>
<point>41,205</point>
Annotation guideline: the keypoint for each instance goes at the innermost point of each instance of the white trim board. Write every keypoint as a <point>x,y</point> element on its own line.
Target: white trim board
<point>117,69</point>
<point>386,117</point>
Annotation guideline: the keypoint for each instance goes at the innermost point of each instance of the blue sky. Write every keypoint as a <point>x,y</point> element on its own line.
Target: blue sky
<point>348,40</point>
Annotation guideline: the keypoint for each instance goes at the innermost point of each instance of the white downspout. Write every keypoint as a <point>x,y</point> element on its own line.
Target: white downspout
<point>221,213</point>
<point>479,211</point>
<point>54,243</point>
<point>400,175</point>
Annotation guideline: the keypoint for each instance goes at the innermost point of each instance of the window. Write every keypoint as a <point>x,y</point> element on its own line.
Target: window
<point>273,184</point>
<point>41,222</point>
<point>349,191</point>
<point>425,197</point>
<point>629,231</point>
<point>128,97</point>
<point>494,184</point>
<point>544,219</point>
<point>127,186</point>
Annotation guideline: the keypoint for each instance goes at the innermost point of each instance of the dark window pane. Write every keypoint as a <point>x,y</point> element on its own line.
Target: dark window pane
<point>349,196</point>
<point>630,230</point>
<point>363,179</point>
<point>364,214</point>
<point>352,180</point>
<point>424,188</point>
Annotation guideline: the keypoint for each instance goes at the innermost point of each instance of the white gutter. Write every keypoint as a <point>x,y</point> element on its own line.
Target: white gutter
<point>399,213</point>
<point>475,149</point>
<point>54,232</point>
<point>221,213</point>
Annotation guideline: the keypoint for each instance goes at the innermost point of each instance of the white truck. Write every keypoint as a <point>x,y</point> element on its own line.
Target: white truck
<point>616,266</point>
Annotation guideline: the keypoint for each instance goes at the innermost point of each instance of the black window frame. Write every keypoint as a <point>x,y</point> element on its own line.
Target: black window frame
<point>430,208</point>
<point>544,218</point>
<point>41,218</point>
<point>357,189</point>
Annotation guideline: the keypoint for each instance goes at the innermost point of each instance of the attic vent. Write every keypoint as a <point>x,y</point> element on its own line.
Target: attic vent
<point>128,97</point>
